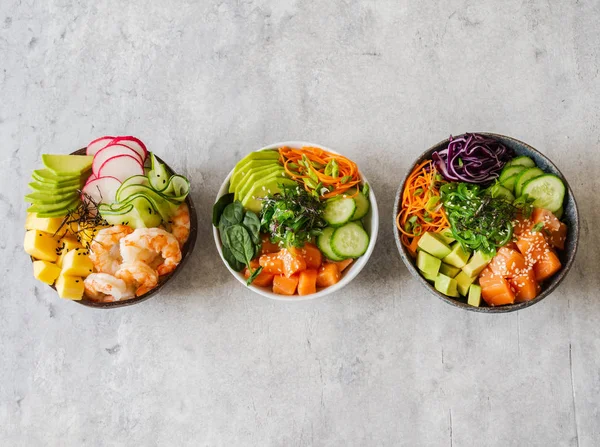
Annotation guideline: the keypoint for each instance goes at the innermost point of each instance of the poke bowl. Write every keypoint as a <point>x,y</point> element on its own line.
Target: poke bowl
<point>91,205</point>
<point>486,223</point>
<point>295,221</point>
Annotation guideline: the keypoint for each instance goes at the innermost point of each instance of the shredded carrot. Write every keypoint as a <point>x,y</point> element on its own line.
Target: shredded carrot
<point>420,212</point>
<point>313,174</point>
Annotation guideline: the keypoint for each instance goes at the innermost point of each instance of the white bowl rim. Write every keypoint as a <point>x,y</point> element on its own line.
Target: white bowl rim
<point>352,271</point>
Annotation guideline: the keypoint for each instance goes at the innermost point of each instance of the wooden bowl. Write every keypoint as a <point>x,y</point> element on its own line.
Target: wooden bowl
<point>186,251</point>
<point>570,217</point>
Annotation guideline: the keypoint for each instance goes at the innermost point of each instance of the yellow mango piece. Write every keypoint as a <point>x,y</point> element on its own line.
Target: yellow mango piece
<point>69,287</point>
<point>45,271</point>
<point>41,245</point>
<point>77,263</point>
<point>46,224</point>
<point>65,245</point>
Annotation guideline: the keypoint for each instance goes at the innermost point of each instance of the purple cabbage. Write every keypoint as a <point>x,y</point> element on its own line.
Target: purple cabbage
<point>472,158</point>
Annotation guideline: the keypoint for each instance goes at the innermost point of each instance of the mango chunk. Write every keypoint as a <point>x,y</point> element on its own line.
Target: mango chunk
<point>77,263</point>
<point>41,245</point>
<point>46,224</point>
<point>69,287</point>
<point>45,271</point>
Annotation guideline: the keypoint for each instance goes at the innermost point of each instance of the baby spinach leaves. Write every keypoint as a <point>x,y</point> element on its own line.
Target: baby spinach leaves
<point>220,206</point>
<point>240,235</point>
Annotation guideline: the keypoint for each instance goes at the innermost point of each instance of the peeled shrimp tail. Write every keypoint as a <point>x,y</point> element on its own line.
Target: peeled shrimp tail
<point>139,275</point>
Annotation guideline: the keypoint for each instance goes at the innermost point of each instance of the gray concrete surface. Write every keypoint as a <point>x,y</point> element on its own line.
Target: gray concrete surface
<point>382,362</point>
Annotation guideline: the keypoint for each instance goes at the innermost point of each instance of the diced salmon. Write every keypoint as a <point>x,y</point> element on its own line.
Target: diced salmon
<point>557,238</point>
<point>307,282</point>
<point>311,254</point>
<point>525,285</point>
<point>495,290</point>
<point>532,246</point>
<point>547,265</point>
<point>263,279</point>
<point>508,263</point>
<point>545,217</point>
<point>283,285</point>
<point>272,263</point>
<point>292,262</point>
<point>328,275</point>
<point>343,265</point>
<point>268,246</point>
<point>522,226</point>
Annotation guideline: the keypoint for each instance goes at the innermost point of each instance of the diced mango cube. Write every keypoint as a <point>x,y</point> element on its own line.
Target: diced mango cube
<point>69,287</point>
<point>77,263</point>
<point>65,245</point>
<point>46,224</point>
<point>45,271</point>
<point>41,245</point>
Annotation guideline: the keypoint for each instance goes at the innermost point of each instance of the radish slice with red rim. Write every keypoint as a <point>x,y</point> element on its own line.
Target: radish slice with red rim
<point>97,144</point>
<point>121,167</point>
<point>110,151</point>
<point>102,189</point>
<point>134,143</point>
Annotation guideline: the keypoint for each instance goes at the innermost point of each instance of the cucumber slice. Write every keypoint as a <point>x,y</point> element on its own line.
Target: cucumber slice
<point>324,244</point>
<point>178,188</point>
<point>497,190</point>
<point>548,192</point>
<point>522,161</point>
<point>137,212</point>
<point>338,211</point>
<point>362,206</point>
<point>509,171</point>
<point>158,175</point>
<point>524,176</point>
<point>350,240</point>
<point>509,183</point>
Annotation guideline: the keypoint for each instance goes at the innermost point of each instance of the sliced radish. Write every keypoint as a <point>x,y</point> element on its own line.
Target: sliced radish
<point>121,167</point>
<point>134,143</point>
<point>102,189</point>
<point>98,144</point>
<point>110,151</point>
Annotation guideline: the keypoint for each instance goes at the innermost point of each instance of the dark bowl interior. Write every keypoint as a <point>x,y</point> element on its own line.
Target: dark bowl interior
<point>570,217</point>
<point>186,251</point>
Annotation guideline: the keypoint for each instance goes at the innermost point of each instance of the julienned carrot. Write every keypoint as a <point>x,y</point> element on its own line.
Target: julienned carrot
<point>320,170</point>
<point>421,207</point>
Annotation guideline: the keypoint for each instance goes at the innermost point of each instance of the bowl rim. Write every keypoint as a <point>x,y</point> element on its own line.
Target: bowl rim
<point>354,269</point>
<point>487,310</point>
<point>186,253</point>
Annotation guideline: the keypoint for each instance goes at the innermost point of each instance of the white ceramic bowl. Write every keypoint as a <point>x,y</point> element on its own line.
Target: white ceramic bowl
<point>371,223</point>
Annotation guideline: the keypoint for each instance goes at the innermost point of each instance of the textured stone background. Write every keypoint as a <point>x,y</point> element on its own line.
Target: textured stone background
<point>382,362</point>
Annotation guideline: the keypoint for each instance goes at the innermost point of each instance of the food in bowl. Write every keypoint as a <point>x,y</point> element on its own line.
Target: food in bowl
<point>482,224</point>
<point>291,221</point>
<point>108,225</point>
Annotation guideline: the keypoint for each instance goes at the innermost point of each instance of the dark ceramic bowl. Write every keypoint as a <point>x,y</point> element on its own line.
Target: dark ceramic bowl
<point>186,251</point>
<point>570,217</point>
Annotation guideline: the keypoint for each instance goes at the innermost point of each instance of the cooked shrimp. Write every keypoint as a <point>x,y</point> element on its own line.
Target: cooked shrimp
<point>154,240</point>
<point>180,224</point>
<point>105,249</point>
<point>141,276</point>
<point>105,288</point>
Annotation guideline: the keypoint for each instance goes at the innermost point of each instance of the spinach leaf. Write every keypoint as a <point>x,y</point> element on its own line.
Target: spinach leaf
<point>240,243</point>
<point>233,263</point>
<point>219,207</point>
<point>252,224</point>
<point>253,276</point>
<point>233,214</point>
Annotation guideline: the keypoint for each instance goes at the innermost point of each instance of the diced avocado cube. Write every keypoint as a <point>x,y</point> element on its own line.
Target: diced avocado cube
<point>45,271</point>
<point>474,295</point>
<point>449,270</point>
<point>463,282</point>
<point>429,277</point>
<point>476,264</point>
<point>446,285</point>
<point>446,236</point>
<point>432,244</point>
<point>428,264</point>
<point>77,263</point>
<point>41,245</point>
<point>458,257</point>
<point>70,287</point>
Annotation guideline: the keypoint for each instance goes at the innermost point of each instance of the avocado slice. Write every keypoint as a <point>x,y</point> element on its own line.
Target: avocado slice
<point>478,262</point>
<point>45,176</point>
<point>428,264</point>
<point>463,282</point>
<point>45,189</point>
<point>449,270</point>
<point>67,165</point>
<point>433,244</point>
<point>458,257</point>
<point>54,209</point>
<point>474,295</point>
<point>446,285</point>
<point>247,167</point>
<point>258,155</point>
<point>251,177</point>
<point>40,198</point>
<point>263,188</point>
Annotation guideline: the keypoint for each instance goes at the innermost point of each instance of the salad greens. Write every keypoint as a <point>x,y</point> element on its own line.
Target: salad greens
<point>292,217</point>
